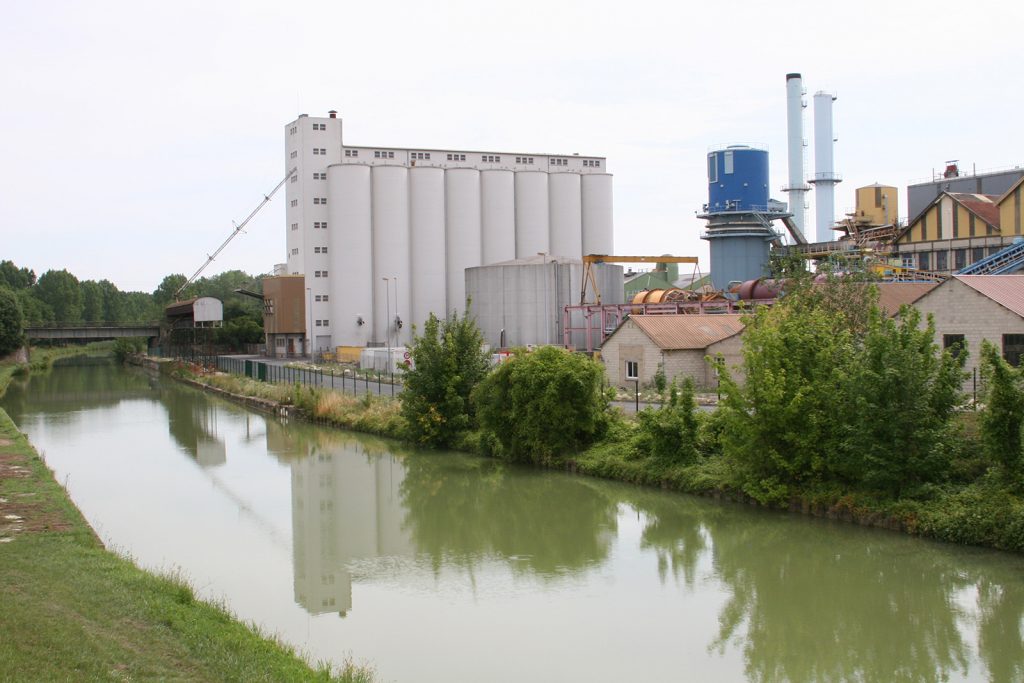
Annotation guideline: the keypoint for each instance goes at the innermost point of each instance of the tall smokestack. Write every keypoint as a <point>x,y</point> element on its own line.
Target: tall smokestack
<point>797,188</point>
<point>825,177</point>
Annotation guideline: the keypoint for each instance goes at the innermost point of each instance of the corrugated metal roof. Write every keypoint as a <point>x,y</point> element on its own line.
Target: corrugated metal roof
<point>892,295</point>
<point>688,331</point>
<point>1005,290</point>
<point>982,205</point>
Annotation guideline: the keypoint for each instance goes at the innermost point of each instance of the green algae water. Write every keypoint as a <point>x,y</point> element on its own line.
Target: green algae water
<point>444,567</point>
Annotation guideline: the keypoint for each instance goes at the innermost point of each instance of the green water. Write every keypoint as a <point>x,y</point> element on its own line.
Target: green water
<point>443,567</point>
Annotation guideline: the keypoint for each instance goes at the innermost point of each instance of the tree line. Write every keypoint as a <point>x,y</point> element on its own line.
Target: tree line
<point>57,296</point>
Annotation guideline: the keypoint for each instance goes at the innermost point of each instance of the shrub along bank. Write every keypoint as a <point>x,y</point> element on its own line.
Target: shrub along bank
<point>844,412</point>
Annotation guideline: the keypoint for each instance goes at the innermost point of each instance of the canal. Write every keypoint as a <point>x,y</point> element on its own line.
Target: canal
<point>443,567</point>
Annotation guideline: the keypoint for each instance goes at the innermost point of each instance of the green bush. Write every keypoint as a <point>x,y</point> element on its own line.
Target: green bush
<point>1003,414</point>
<point>669,433</point>
<point>448,363</point>
<point>126,346</point>
<point>543,404</point>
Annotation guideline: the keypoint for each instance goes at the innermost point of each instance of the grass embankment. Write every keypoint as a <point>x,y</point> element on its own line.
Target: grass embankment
<point>379,415</point>
<point>71,610</point>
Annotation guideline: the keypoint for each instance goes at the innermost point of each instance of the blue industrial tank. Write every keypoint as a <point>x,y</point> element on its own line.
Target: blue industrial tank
<point>737,179</point>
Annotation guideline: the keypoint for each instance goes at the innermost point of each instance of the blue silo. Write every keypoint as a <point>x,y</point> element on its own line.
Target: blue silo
<point>737,179</point>
<point>739,215</point>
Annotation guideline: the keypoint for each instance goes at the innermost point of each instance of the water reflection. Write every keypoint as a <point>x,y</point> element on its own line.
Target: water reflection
<point>792,598</point>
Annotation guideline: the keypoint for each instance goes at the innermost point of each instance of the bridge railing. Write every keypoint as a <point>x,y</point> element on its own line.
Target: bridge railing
<point>86,324</point>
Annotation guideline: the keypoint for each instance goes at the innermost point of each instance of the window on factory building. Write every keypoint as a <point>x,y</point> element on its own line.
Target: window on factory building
<point>712,169</point>
<point>922,260</point>
<point>293,154</point>
<point>327,322</point>
<point>295,202</point>
<point>727,163</point>
<point>316,273</point>
<point>959,258</point>
<point>318,297</point>
<point>316,150</point>
<point>319,323</point>
<point>1013,348</point>
<point>376,154</point>
<point>977,254</point>
<point>955,343</point>
<point>293,130</point>
<point>295,251</point>
<point>327,297</point>
<point>632,370</point>
<point>942,260</point>
<point>295,226</point>
<point>295,178</point>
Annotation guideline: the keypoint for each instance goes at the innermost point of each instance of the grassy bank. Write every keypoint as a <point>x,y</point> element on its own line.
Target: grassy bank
<point>71,610</point>
<point>973,507</point>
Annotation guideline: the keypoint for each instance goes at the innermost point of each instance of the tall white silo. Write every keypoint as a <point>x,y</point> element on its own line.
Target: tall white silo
<point>462,220</point>
<point>597,214</point>
<point>531,213</point>
<point>565,206</point>
<point>390,253</point>
<point>825,176</point>
<point>498,215</point>
<point>351,247</point>
<point>427,239</point>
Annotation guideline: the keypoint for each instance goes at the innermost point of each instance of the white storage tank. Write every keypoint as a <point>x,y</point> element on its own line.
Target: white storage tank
<point>498,215</point>
<point>597,214</point>
<point>427,240</point>
<point>566,215</point>
<point>462,220</point>
<point>531,213</point>
<point>351,268</point>
<point>390,252</point>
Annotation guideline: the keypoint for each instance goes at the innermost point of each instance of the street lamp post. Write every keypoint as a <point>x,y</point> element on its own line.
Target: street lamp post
<point>387,315</point>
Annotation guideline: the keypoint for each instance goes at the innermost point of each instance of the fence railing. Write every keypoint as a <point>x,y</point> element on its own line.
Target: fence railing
<point>345,381</point>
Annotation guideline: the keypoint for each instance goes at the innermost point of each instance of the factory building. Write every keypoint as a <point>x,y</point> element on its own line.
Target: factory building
<point>953,231</point>
<point>384,235</point>
<point>922,194</point>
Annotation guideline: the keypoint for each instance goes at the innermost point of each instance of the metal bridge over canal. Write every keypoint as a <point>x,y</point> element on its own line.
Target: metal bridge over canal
<point>92,331</point>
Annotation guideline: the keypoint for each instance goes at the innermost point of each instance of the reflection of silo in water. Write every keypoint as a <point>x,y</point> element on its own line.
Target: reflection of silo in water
<point>346,507</point>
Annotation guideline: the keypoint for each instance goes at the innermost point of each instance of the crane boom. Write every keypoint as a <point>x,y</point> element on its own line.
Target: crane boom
<point>238,229</point>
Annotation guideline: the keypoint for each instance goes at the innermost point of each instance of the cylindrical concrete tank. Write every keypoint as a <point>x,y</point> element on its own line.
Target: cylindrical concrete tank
<point>565,208</point>
<point>531,213</point>
<point>597,214</point>
<point>498,215</point>
<point>350,236</point>
<point>426,235</point>
<point>390,252</point>
<point>462,220</point>
<point>737,179</point>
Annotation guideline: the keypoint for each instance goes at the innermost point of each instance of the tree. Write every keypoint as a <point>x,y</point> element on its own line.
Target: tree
<point>448,363</point>
<point>1003,415</point>
<point>113,303</point>
<point>542,404</point>
<point>164,293</point>
<point>92,301</point>
<point>61,291</point>
<point>11,322</point>
<point>14,277</point>
<point>836,391</point>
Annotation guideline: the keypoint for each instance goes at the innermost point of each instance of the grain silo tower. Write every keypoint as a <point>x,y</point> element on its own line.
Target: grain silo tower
<point>739,214</point>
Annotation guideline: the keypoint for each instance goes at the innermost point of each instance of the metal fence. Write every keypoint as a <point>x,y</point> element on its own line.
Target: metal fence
<point>345,381</point>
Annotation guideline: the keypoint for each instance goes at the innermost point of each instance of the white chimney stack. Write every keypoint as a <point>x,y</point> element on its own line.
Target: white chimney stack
<point>825,177</point>
<point>797,188</point>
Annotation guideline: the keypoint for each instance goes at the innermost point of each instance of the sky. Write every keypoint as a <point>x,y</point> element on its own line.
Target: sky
<point>135,133</point>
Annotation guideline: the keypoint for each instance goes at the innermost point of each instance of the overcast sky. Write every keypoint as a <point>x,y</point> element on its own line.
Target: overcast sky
<point>135,132</point>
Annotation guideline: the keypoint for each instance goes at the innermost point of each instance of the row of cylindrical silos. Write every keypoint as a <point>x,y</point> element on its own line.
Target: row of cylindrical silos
<point>401,237</point>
